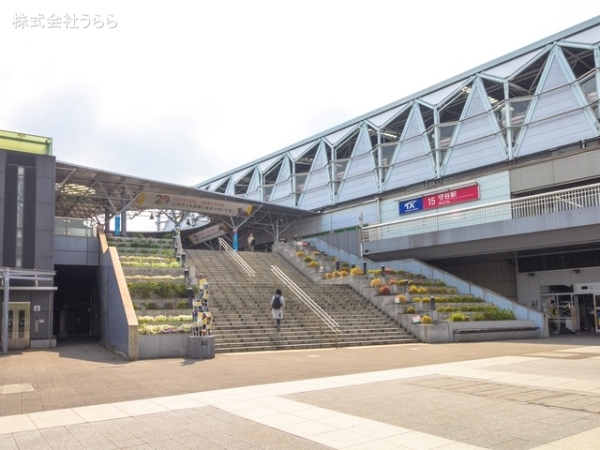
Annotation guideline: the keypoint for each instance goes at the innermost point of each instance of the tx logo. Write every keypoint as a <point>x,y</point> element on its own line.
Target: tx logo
<point>409,206</point>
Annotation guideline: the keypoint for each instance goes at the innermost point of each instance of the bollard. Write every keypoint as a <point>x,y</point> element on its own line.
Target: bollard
<point>337,265</point>
<point>182,259</point>
<point>364,267</point>
<point>382,271</point>
<point>186,276</point>
<point>190,292</point>
<point>432,298</point>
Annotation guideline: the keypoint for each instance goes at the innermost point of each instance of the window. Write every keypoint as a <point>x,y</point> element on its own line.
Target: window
<point>20,210</point>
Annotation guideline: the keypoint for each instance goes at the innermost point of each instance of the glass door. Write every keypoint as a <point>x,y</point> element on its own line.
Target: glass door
<point>18,326</point>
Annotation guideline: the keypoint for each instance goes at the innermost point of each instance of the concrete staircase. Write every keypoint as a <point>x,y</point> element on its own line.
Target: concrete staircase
<point>240,304</point>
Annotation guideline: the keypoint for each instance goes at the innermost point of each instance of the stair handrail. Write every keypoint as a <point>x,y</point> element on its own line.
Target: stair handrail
<point>305,298</point>
<point>247,268</point>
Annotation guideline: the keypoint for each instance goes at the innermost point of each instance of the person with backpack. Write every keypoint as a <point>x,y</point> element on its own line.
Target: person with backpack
<point>277,304</point>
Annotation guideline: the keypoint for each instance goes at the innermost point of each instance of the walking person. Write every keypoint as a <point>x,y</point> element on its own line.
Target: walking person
<point>277,304</point>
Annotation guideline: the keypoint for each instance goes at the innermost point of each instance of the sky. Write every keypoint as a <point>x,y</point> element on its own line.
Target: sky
<point>183,91</point>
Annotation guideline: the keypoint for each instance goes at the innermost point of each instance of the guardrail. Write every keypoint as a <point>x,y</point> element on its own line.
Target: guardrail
<point>67,226</point>
<point>309,302</point>
<point>535,205</point>
<point>247,268</point>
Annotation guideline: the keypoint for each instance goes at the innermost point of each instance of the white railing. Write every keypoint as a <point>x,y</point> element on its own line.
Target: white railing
<point>535,205</point>
<point>247,268</point>
<point>304,298</point>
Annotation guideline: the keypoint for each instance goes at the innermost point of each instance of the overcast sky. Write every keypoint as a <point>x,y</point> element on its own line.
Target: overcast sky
<point>187,90</point>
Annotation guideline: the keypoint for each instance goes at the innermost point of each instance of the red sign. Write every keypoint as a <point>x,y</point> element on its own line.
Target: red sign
<point>460,195</point>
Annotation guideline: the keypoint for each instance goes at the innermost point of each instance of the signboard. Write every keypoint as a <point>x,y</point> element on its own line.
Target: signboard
<point>440,199</point>
<point>202,205</point>
<point>206,234</point>
<point>19,142</point>
<point>461,195</point>
<point>408,206</point>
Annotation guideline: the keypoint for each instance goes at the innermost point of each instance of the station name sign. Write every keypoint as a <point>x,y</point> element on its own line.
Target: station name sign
<point>440,199</point>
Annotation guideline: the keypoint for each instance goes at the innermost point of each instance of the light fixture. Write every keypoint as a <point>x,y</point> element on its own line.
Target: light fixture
<point>151,216</point>
<point>577,271</point>
<point>531,274</point>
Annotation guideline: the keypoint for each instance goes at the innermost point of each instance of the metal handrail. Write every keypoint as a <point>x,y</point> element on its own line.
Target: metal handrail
<point>535,205</point>
<point>305,298</point>
<point>247,268</point>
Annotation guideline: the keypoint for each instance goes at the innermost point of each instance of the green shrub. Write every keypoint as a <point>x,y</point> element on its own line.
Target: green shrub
<point>494,313</point>
<point>183,305</point>
<point>458,317</point>
<point>151,305</point>
<point>426,320</point>
<point>410,310</point>
<point>159,289</point>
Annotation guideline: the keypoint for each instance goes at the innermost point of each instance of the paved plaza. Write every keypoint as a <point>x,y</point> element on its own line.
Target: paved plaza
<point>535,394</point>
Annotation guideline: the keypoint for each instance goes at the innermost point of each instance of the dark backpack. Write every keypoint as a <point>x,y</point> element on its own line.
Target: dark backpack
<point>276,302</point>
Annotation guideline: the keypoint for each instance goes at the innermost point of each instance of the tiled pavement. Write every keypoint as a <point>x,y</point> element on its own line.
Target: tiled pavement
<point>538,394</point>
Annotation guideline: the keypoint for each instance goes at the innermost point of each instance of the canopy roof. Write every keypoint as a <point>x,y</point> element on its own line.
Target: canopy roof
<point>97,195</point>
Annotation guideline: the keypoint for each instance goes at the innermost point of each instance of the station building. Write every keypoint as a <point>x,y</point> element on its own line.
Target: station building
<point>492,175</point>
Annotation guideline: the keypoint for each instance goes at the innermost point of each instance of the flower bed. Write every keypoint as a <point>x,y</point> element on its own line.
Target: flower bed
<point>158,289</point>
<point>165,329</point>
<point>149,261</point>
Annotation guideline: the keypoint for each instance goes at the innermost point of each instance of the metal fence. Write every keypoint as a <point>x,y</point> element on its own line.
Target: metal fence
<point>535,205</point>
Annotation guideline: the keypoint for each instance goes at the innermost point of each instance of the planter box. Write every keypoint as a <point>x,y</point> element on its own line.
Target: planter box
<point>201,347</point>
<point>162,345</point>
<point>480,331</point>
<point>176,345</point>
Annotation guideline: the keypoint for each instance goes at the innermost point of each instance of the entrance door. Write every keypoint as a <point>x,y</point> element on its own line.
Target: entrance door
<point>597,311</point>
<point>18,326</point>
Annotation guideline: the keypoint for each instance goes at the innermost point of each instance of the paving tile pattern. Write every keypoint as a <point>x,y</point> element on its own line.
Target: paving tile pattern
<point>530,395</point>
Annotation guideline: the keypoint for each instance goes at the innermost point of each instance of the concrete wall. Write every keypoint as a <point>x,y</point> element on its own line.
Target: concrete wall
<point>76,250</point>
<point>118,322</point>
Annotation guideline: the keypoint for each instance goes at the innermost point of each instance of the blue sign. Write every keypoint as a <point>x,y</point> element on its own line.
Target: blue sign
<point>408,206</point>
